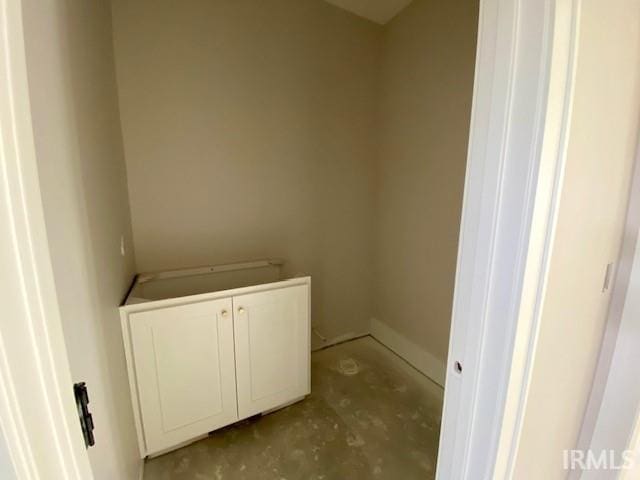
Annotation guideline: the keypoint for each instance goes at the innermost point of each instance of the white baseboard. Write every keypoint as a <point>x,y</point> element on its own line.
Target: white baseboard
<point>318,344</point>
<point>419,358</point>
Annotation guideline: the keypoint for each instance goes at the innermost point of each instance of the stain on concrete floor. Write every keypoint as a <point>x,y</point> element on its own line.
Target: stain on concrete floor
<point>369,416</point>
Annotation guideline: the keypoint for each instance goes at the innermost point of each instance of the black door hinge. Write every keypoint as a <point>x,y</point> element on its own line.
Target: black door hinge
<point>86,420</point>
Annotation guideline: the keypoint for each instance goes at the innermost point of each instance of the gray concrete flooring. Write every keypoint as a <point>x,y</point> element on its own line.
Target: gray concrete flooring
<point>370,416</point>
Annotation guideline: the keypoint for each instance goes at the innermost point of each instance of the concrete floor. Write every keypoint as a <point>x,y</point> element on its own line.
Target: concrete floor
<point>370,415</point>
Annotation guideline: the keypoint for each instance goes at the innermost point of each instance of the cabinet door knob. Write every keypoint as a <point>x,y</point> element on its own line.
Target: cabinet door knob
<point>241,310</point>
<point>224,313</point>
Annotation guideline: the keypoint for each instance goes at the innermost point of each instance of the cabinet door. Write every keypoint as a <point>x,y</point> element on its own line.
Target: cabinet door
<point>185,371</point>
<point>272,348</point>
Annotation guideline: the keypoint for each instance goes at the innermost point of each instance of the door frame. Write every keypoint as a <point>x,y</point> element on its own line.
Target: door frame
<point>517,148</point>
<point>38,416</point>
<point>522,106</point>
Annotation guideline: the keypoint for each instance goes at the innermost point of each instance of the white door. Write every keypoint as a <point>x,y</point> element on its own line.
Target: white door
<point>272,348</point>
<point>185,369</point>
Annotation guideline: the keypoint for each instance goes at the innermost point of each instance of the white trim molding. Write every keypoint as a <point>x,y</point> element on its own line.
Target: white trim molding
<point>411,353</point>
<point>37,409</point>
<point>522,103</point>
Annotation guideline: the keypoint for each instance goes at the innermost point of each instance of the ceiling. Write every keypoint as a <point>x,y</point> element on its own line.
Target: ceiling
<point>378,11</point>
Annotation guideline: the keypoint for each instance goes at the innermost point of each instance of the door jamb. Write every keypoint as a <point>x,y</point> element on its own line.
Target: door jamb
<point>38,416</point>
<point>522,104</point>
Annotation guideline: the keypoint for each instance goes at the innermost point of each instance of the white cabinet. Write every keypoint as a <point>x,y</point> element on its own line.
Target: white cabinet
<point>271,345</point>
<point>185,368</point>
<point>197,363</point>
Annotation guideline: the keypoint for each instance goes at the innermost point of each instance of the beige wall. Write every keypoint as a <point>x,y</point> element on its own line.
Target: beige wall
<point>256,129</point>
<point>248,130</point>
<point>427,66</point>
<point>602,146</point>
<point>82,174</point>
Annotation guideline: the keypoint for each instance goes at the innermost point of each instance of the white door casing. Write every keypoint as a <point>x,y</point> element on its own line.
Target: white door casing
<point>38,415</point>
<point>185,369</point>
<point>272,348</point>
<point>522,104</point>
